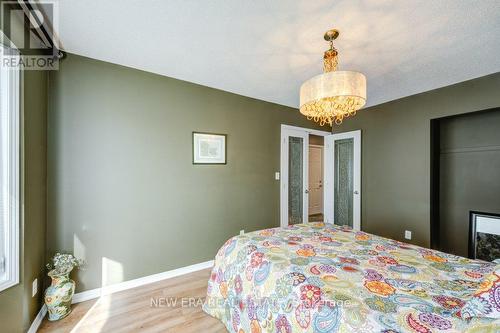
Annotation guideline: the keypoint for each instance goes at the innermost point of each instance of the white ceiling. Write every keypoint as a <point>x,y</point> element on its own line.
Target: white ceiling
<point>266,48</point>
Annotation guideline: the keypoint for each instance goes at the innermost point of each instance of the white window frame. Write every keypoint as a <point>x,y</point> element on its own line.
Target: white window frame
<point>10,171</point>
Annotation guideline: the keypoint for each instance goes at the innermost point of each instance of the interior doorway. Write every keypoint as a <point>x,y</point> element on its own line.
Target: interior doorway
<point>320,177</point>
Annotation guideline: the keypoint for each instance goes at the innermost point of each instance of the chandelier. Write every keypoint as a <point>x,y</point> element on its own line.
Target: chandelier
<point>330,97</point>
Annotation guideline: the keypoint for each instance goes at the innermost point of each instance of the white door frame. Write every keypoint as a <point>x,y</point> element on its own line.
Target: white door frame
<point>286,130</point>
<point>328,189</point>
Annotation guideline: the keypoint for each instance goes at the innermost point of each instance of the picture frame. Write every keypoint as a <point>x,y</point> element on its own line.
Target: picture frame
<point>209,148</point>
<point>484,236</point>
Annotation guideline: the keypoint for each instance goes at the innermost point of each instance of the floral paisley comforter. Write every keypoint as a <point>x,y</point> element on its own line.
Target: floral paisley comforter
<point>323,278</point>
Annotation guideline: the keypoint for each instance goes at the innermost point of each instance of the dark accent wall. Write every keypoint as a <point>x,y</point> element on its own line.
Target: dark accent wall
<point>469,174</point>
<point>396,154</point>
<point>123,191</point>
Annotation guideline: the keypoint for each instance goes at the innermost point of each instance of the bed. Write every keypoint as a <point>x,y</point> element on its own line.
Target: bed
<point>320,277</point>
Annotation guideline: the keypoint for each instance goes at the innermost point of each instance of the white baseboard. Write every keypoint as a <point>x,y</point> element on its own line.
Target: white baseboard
<point>98,292</point>
<point>38,320</point>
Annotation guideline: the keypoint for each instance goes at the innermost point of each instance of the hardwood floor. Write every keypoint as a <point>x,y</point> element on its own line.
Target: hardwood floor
<point>158,307</point>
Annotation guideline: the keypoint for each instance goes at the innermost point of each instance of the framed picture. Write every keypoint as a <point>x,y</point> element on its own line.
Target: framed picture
<point>484,236</point>
<point>209,148</point>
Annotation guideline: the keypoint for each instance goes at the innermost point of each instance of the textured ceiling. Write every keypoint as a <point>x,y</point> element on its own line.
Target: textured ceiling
<point>265,49</point>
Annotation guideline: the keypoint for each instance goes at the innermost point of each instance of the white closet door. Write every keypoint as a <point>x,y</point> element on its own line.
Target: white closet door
<point>294,176</point>
<point>342,169</point>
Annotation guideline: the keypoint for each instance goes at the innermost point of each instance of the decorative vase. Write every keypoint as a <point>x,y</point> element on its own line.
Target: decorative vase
<point>59,295</point>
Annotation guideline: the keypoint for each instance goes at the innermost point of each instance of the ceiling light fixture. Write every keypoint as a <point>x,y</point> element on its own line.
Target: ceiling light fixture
<point>330,97</point>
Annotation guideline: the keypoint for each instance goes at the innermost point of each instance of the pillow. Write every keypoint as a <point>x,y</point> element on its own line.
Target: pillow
<point>486,301</point>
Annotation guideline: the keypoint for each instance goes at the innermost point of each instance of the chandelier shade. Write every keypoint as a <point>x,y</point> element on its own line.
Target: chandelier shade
<point>330,97</point>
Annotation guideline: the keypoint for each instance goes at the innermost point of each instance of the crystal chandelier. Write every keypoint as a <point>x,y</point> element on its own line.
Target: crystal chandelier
<point>330,97</point>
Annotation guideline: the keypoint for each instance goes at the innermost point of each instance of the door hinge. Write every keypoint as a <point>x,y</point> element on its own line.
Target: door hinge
<point>2,264</point>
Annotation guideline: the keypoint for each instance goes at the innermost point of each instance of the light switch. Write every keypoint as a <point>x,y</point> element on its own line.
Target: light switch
<point>277,176</point>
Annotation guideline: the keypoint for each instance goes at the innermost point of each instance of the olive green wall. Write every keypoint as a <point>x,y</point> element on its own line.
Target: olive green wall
<point>122,187</point>
<point>469,174</point>
<point>396,154</point>
<point>35,191</point>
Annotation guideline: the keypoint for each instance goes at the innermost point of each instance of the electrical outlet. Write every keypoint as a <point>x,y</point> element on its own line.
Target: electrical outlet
<point>407,234</point>
<point>277,176</point>
<point>242,232</point>
<point>34,288</point>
